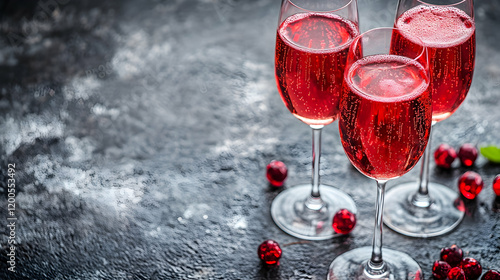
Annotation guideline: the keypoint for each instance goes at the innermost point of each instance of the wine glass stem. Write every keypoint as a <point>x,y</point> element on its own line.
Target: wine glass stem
<point>376,265</point>
<point>422,198</point>
<point>314,201</point>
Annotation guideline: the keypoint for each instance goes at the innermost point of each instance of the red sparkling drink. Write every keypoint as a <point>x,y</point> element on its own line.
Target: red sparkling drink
<point>385,115</point>
<point>450,36</point>
<point>311,52</point>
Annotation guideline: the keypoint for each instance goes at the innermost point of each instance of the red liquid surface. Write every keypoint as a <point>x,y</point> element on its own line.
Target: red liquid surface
<point>311,51</point>
<point>385,115</point>
<point>449,34</point>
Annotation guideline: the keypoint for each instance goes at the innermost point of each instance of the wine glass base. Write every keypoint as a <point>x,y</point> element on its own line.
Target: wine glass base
<point>350,266</point>
<point>445,212</point>
<point>293,217</point>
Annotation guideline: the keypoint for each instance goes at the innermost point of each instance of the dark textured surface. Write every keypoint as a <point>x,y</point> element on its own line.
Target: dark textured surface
<point>141,130</point>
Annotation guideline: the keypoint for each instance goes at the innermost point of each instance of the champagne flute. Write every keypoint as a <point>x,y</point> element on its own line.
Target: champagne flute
<point>384,123</point>
<point>311,47</point>
<point>447,29</point>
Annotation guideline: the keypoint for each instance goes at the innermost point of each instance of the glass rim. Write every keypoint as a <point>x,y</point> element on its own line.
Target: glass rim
<point>356,40</point>
<point>422,54</point>
<point>442,5</point>
<point>349,2</point>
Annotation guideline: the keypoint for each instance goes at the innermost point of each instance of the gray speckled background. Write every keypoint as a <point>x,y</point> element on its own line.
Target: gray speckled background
<point>141,130</point>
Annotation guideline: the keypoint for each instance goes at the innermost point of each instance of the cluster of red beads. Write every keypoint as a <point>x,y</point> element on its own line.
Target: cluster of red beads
<point>453,266</point>
<point>470,183</point>
<point>445,155</point>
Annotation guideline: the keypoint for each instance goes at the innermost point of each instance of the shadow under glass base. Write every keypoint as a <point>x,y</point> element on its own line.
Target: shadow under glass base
<point>351,265</point>
<point>290,214</point>
<point>445,212</point>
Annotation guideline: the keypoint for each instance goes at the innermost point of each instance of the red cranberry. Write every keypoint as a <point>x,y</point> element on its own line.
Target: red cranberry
<point>440,270</point>
<point>452,255</point>
<point>491,275</point>
<point>470,184</point>
<point>496,185</point>
<point>344,221</point>
<point>456,273</point>
<point>269,252</point>
<point>444,156</point>
<point>467,154</point>
<point>472,268</point>
<point>276,173</point>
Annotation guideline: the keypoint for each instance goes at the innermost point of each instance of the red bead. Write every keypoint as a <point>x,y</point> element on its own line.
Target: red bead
<point>470,184</point>
<point>444,156</point>
<point>472,268</point>
<point>491,275</point>
<point>496,185</point>
<point>344,221</point>
<point>456,273</point>
<point>269,252</point>
<point>276,173</point>
<point>467,154</point>
<point>440,270</point>
<point>452,255</point>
